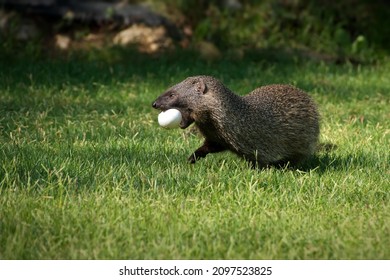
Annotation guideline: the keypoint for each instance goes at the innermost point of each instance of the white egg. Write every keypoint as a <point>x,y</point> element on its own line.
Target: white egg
<point>170,118</point>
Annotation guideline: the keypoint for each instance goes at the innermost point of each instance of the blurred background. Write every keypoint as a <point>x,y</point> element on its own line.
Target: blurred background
<point>354,31</point>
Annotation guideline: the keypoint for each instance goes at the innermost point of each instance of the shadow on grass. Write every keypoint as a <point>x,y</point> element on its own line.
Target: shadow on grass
<point>322,163</point>
<point>88,71</point>
<point>78,167</point>
<point>326,160</point>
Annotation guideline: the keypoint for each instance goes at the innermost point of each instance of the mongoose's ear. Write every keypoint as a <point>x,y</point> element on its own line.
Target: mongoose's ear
<point>200,86</point>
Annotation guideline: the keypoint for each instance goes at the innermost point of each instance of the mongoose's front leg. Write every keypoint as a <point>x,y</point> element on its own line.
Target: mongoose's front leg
<point>206,148</point>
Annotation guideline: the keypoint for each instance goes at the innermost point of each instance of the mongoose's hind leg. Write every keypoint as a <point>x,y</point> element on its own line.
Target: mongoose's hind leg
<point>206,148</point>
<point>257,164</point>
<point>291,162</point>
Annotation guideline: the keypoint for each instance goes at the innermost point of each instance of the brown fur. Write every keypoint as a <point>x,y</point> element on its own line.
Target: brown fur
<point>272,125</point>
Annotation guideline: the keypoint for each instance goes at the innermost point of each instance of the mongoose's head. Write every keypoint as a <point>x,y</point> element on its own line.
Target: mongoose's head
<point>188,96</point>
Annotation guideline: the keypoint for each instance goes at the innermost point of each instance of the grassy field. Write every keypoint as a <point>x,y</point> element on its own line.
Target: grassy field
<point>87,173</point>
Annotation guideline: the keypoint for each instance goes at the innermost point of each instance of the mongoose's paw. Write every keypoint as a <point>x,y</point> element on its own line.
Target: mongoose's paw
<point>192,159</point>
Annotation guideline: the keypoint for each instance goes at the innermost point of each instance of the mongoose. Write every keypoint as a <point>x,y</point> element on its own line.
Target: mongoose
<point>272,125</point>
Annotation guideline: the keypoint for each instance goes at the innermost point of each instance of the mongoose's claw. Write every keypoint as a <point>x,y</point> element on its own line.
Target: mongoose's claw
<point>192,159</point>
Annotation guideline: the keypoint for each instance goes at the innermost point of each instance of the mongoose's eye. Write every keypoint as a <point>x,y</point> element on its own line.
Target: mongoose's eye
<point>171,95</point>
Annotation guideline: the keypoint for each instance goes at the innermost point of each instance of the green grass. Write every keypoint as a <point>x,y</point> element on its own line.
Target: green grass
<point>87,173</point>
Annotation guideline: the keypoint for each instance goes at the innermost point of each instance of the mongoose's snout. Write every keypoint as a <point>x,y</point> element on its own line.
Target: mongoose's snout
<point>160,105</point>
<point>155,105</point>
<point>164,102</point>
<point>168,100</point>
